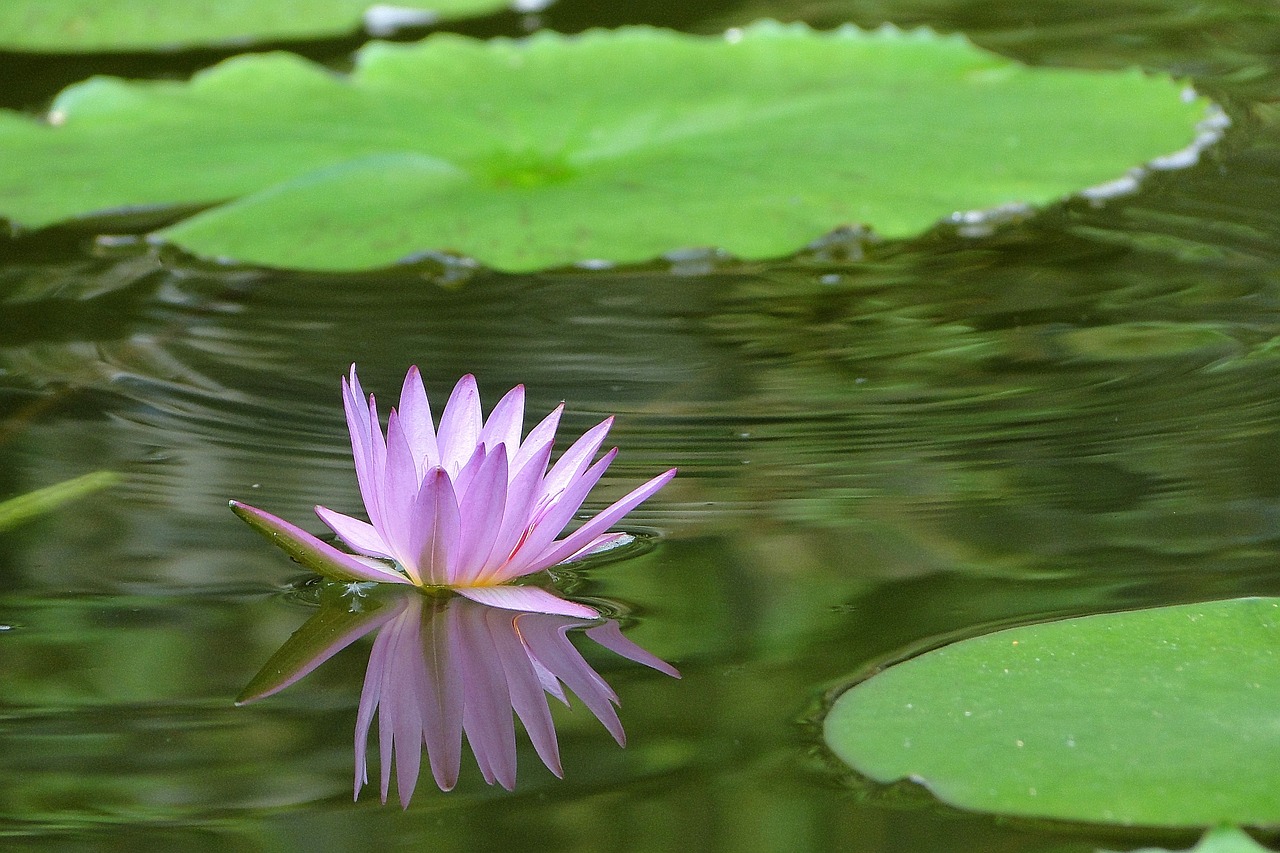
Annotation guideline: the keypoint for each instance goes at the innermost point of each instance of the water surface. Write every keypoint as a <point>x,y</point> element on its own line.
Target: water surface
<point>879,451</point>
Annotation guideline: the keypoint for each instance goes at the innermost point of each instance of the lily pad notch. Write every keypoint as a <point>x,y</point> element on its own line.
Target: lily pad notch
<point>610,146</point>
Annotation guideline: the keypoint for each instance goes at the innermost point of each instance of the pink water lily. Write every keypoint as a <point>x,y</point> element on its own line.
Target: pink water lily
<point>469,506</point>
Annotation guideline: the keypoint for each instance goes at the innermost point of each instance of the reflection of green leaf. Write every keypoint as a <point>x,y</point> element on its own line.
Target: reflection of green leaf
<point>340,621</point>
<point>104,25</point>
<point>1141,341</point>
<point>1160,717</point>
<point>615,145</point>
<point>17,510</point>
<point>1225,839</point>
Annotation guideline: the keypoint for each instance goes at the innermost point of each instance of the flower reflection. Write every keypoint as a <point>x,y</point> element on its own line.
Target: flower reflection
<point>442,667</point>
<point>469,506</point>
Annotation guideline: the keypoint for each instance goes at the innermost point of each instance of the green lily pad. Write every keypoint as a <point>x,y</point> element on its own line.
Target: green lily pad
<point>620,146</point>
<point>1163,717</point>
<point>66,26</point>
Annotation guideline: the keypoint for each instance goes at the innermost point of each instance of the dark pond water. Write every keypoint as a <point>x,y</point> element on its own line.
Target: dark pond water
<point>1077,414</point>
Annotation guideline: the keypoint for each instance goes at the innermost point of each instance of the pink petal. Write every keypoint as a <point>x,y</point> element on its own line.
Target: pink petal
<point>544,637</point>
<point>401,708</point>
<point>546,529</point>
<point>576,459</point>
<point>530,599</point>
<point>521,494</point>
<point>480,516</point>
<point>311,552</point>
<point>505,423</point>
<point>543,434</point>
<point>357,413</point>
<point>378,465</point>
<point>399,493</point>
<point>419,426</point>
<point>524,685</point>
<point>460,425</point>
<point>571,544</point>
<point>435,529</point>
<point>610,636</point>
<point>486,708</point>
<point>442,699</point>
<point>359,535</point>
<point>462,480</point>
<point>375,677</point>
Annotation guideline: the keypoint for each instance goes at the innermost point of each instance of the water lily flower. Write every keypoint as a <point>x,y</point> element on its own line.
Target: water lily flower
<point>469,506</point>
<point>442,667</point>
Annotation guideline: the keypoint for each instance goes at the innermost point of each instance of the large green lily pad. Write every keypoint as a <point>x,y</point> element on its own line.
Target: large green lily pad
<point>1161,717</point>
<point>619,146</point>
<point>119,25</point>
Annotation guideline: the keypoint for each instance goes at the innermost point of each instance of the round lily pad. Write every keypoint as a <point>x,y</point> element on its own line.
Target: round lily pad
<point>1161,717</point>
<point>66,26</point>
<point>619,146</point>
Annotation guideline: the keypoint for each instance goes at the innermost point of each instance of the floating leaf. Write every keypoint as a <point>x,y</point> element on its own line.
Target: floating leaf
<point>1161,717</point>
<point>556,149</point>
<point>14,511</point>
<point>124,25</point>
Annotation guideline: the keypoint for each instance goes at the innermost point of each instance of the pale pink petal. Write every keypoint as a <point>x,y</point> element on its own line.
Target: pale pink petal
<point>321,557</point>
<point>442,699</point>
<point>523,685</point>
<point>400,702</point>
<point>435,529</point>
<point>549,682</point>
<point>480,514</point>
<point>553,520</point>
<point>378,465</point>
<point>419,426</point>
<point>460,425</point>
<point>574,542</point>
<point>399,493</point>
<point>357,412</point>
<point>544,637</point>
<point>375,679</point>
<point>530,599</point>
<point>521,494</point>
<point>610,636</point>
<point>576,459</point>
<point>462,480</point>
<point>486,708</point>
<point>505,422</point>
<point>359,535</point>
<point>543,434</point>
